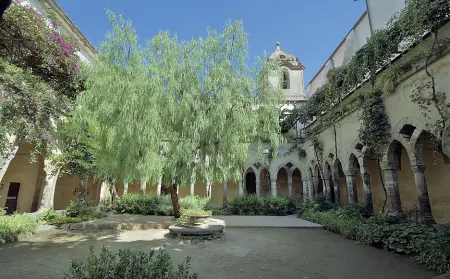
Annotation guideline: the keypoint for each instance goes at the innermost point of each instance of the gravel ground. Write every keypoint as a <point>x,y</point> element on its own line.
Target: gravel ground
<point>240,253</point>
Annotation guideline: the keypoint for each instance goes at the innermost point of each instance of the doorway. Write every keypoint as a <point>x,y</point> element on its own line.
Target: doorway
<point>250,183</point>
<point>12,197</point>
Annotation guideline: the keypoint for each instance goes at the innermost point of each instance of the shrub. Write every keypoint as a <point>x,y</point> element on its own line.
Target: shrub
<point>426,244</point>
<point>144,204</point>
<point>247,205</point>
<point>280,206</point>
<point>12,226</point>
<point>194,202</point>
<point>52,217</point>
<point>221,211</point>
<point>129,264</point>
<point>80,209</point>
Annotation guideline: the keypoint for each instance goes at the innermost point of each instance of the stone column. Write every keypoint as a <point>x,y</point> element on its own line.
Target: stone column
<point>105,195</point>
<point>225,193</point>
<point>192,190</point>
<point>365,177</point>
<point>393,194</point>
<point>291,194</point>
<point>327,189</point>
<point>315,181</point>
<point>125,189</point>
<point>352,196</point>
<point>337,193</point>
<point>241,187</point>
<point>422,193</point>
<point>208,188</point>
<point>143,187</point>
<point>273,187</point>
<point>305,188</point>
<point>48,194</point>
<point>311,188</point>
<point>258,185</point>
<point>158,187</point>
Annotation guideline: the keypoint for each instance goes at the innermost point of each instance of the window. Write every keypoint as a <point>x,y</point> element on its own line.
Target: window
<point>285,84</point>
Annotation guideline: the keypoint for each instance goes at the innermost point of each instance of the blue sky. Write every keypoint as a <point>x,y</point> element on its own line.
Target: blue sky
<point>308,29</point>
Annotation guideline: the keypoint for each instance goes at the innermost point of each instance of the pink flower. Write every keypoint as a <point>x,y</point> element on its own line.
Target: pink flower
<point>75,68</point>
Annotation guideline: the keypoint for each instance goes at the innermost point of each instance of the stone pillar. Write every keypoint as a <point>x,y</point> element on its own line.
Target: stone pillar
<point>315,181</point>
<point>192,189</point>
<point>143,187</point>
<point>393,194</point>
<point>258,185</point>
<point>337,192</point>
<point>158,187</point>
<point>365,177</point>
<point>105,195</point>
<point>311,188</point>
<point>225,193</point>
<point>305,188</point>
<point>352,196</point>
<point>291,194</point>
<point>208,188</point>
<point>327,189</point>
<point>125,189</point>
<point>48,194</point>
<point>422,193</point>
<point>273,187</point>
<point>241,187</point>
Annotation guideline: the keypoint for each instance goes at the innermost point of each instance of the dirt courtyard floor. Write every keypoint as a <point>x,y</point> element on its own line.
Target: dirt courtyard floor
<point>240,253</point>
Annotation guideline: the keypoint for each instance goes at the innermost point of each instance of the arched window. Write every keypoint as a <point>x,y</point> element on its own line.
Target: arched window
<point>285,84</point>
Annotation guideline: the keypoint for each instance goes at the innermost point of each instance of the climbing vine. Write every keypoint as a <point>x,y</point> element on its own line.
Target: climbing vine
<point>373,63</point>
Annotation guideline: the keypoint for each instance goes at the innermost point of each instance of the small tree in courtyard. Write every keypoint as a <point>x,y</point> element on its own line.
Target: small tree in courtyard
<point>179,107</point>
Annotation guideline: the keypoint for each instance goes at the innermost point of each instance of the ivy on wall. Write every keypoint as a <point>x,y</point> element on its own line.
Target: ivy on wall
<point>404,31</point>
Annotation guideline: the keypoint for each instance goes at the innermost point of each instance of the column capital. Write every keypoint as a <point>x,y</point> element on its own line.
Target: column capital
<point>273,180</point>
<point>290,179</point>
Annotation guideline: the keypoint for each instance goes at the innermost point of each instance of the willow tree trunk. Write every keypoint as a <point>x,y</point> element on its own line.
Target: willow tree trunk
<point>174,198</point>
<point>82,188</point>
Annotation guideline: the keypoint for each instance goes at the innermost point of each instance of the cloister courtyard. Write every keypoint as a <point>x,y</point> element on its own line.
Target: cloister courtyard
<point>243,252</point>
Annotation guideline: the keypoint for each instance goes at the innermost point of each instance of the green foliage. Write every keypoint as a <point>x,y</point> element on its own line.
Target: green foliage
<point>144,204</point>
<point>129,264</point>
<point>374,130</point>
<point>426,244</point>
<point>174,105</point>
<point>195,202</point>
<point>12,226</point>
<point>280,206</point>
<point>76,212</point>
<point>188,215</point>
<point>317,204</point>
<point>418,17</point>
<point>253,205</point>
<point>246,205</point>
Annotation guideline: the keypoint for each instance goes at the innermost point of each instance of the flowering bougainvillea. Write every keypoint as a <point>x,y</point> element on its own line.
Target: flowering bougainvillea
<point>39,76</point>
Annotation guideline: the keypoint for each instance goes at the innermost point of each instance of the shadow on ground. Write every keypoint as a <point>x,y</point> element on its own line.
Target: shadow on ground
<point>241,253</point>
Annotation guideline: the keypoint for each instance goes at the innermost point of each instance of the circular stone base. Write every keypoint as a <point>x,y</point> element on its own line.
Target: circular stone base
<point>200,230</point>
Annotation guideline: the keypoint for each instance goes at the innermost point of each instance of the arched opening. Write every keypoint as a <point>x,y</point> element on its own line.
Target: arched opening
<point>342,183</point>
<point>376,183</point>
<point>250,183</point>
<point>437,175</point>
<point>354,165</point>
<point>328,175</point>
<point>264,177</point>
<point>297,185</point>
<point>282,183</point>
<point>319,181</point>
<point>285,81</point>
<point>398,156</point>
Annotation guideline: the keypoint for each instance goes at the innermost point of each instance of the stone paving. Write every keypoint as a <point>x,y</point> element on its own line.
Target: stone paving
<point>260,253</point>
<point>130,222</point>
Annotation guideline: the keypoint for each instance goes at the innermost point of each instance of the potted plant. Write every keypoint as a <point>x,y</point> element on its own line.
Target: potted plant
<point>193,217</point>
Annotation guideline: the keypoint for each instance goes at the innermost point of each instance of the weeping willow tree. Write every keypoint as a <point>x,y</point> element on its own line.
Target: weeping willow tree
<point>177,108</point>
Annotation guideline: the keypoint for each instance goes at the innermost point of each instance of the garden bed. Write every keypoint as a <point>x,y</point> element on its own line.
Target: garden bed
<point>16,225</point>
<point>425,244</point>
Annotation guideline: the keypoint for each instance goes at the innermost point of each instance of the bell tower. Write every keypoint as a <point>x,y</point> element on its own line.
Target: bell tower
<point>292,76</point>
